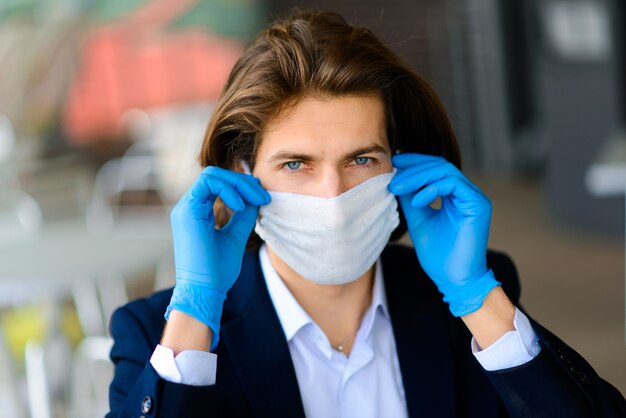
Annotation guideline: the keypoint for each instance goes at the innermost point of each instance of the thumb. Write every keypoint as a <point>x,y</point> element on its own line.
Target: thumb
<point>242,222</point>
<point>414,215</point>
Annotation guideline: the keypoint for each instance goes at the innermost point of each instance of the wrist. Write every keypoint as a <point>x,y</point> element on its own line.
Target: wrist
<point>493,319</point>
<point>184,332</point>
<point>201,303</point>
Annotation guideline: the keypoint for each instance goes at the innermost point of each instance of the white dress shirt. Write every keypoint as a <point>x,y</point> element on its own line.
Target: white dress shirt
<point>368,383</point>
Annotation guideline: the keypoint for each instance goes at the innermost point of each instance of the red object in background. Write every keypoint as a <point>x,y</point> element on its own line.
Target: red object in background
<point>136,64</point>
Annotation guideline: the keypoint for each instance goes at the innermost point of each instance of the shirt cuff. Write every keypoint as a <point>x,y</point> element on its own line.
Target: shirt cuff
<point>512,349</point>
<point>189,367</point>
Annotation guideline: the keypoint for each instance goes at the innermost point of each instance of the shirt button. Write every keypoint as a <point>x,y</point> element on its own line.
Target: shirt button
<point>146,405</point>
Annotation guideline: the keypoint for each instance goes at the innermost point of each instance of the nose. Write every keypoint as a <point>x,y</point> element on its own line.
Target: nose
<point>332,183</point>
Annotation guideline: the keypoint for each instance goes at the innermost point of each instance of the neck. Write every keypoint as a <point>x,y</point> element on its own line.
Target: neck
<point>337,309</point>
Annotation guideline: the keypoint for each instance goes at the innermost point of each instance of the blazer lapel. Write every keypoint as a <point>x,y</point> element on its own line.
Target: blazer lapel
<point>255,340</point>
<point>419,328</point>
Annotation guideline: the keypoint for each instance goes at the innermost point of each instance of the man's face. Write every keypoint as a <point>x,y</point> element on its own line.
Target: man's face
<point>324,147</point>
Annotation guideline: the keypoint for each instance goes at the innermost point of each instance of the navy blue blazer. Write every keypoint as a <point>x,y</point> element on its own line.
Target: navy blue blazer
<point>441,377</point>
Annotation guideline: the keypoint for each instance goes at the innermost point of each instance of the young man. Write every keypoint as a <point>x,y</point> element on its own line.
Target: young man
<point>318,135</point>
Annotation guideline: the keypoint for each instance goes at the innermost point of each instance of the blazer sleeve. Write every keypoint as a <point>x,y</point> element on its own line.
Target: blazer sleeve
<point>556,383</point>
<point>136,389</point>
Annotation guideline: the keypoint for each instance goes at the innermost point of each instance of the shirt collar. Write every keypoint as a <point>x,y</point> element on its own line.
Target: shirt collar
<point>293,317</point>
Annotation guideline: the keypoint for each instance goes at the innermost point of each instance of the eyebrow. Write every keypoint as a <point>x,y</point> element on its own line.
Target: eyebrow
<point>366,150</point>
<point>286,155</point>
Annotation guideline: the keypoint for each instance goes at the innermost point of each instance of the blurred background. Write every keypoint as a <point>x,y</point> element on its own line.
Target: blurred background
<point>103,104</point>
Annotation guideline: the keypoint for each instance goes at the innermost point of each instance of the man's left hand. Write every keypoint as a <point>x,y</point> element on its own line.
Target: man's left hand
<point>450,242</point>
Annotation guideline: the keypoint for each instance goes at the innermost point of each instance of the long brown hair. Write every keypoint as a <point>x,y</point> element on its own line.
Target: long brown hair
<point>314,53</point>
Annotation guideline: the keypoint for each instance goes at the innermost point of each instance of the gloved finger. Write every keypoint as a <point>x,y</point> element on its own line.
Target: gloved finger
<point>426,173</point>
<point>414,215</point>
<point>411,179</point>
<point>410,158</point>
<point>231,176</point>
<point>463,196</point>
<point>187,208</point>
<point>415,178</point>
<point>242,222</point>
<point>247,185</point>
<point>207,188</point>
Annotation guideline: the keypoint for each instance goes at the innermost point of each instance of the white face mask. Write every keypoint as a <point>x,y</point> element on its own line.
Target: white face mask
<point>331,240</point>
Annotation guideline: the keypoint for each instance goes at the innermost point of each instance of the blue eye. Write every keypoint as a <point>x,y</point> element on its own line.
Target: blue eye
<point>361,160</point>
<point>293,165</point>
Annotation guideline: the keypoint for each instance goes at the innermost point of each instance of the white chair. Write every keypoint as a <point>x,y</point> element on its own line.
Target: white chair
<point>20,218</point>
<point>20,215</point>
<point>46,366</point>
<point>87,302</point>
<point>39,401</point>
<point>92,372</point>
<point>11,402</point>
<point>116,177</point>
<point>95,301</point>
<point>112,292</point>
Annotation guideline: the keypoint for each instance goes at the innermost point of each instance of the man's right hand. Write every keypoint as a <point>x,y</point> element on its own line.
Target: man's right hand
<point>208,260</point>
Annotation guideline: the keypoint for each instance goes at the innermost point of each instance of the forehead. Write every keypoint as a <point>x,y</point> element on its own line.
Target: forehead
<point>339,122</point>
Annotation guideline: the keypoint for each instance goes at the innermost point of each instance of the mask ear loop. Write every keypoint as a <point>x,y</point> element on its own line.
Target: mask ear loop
<point>245,166</point>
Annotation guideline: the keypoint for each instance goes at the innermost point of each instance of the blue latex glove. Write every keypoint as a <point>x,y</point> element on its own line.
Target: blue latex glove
<point>208,260</point>
<point>450,242</point>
